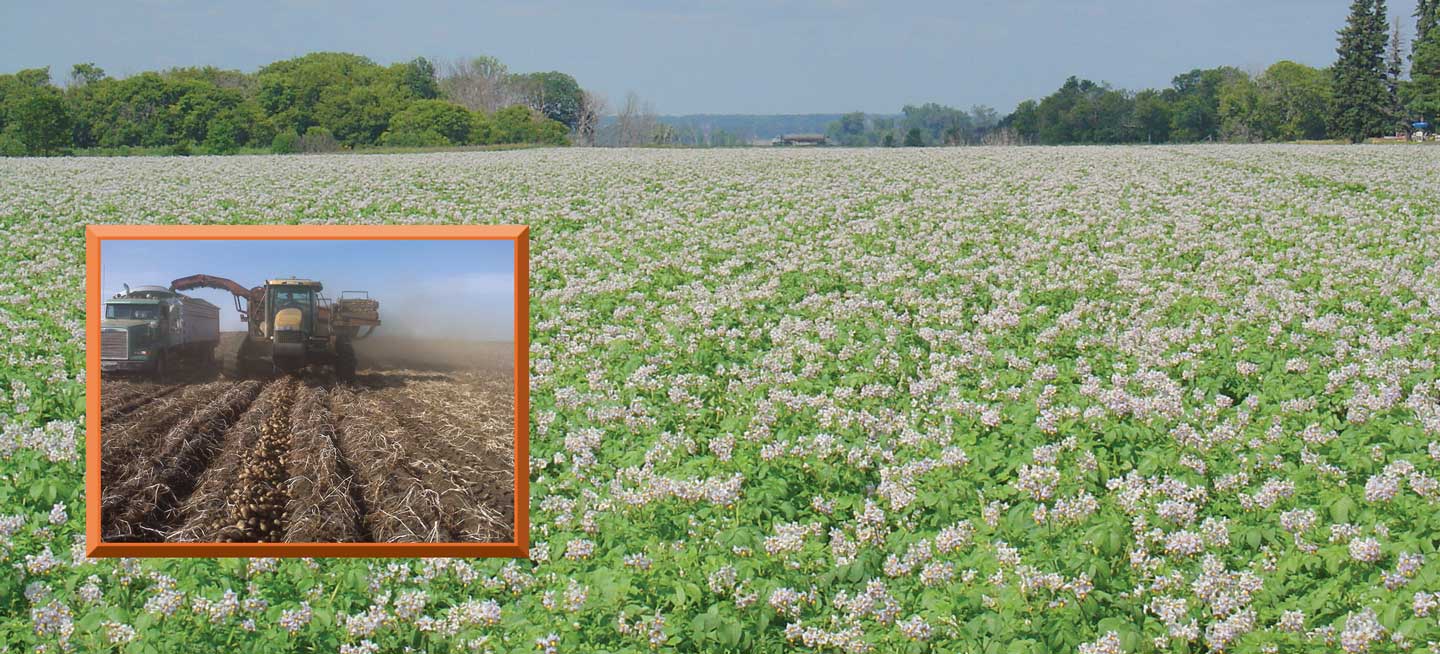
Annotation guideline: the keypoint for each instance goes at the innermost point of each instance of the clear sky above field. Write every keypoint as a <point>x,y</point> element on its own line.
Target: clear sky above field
<point>438,289</point>
<point>688,56</point>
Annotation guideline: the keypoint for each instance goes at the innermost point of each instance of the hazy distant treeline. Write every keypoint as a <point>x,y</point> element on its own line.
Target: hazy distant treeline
<point>1365,93</point>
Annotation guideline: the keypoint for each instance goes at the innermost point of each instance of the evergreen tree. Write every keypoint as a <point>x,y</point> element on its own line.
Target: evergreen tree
<point>1427,15</point>
<point>1423,90</point>
<point>1361,101</point>
<point>1394,70</point>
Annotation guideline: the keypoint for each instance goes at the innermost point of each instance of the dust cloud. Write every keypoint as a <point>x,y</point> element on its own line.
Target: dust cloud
<point>397,351</point>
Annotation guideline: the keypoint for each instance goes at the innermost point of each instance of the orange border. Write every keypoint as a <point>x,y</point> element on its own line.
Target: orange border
<point>520,234</point>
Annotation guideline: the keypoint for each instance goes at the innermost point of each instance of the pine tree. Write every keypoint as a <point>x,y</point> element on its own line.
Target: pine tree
<point>1361,101</point>
<point>1423,90</point>
<point>1394,70</point>
<point>1427,15</point>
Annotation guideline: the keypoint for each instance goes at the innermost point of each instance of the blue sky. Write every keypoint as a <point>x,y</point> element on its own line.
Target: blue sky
<point>702,56</point>
<point>444,289</point>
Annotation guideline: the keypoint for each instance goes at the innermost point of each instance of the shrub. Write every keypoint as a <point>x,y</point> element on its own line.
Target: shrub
<point>414,139</point>
<point>11,146</point>
<point>222,138</point>
<point>451,122</point>
<point>318,139</point>
<point>286,142</point>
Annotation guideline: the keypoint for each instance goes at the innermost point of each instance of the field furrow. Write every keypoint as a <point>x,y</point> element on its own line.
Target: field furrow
<point>303,459</point>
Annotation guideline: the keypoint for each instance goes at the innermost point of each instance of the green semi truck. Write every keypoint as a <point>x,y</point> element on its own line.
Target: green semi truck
<point>153,330</point>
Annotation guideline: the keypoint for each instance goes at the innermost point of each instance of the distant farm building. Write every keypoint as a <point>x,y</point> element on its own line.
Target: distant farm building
<point>799,139</point>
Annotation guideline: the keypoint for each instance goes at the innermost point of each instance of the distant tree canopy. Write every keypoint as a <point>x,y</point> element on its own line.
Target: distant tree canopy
<point>349,100</point>
<point>1357,98</point>
<point>1362,95</point>
<point>1289,101</point>
<point>918,125</point>
<point>554,94</point>
<point>32,114</point>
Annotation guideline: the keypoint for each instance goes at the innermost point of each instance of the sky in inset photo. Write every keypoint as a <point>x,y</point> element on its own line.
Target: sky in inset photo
<point>444,289</point>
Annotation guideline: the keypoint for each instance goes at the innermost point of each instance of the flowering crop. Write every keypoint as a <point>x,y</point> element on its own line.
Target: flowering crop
<point>991,400</point>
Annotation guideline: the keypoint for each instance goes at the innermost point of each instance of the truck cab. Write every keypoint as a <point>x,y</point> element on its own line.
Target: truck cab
<point>132,334</point>
<point>146,329</point>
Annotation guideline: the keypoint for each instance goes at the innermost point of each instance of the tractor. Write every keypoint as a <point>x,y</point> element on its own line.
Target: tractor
<point>291,325</point>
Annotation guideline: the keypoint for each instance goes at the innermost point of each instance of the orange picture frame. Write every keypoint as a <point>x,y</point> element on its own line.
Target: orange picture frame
<point>95,234</point>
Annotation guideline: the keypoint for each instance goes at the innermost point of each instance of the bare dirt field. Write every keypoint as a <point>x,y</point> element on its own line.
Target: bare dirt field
<point>419,448</point>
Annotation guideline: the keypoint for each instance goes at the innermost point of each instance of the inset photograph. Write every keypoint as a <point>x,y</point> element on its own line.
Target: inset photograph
<point>322,391</point>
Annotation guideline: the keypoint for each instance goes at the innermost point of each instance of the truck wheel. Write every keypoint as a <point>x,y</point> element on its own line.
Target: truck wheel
<point>162,371</point>
<point>345,361</point>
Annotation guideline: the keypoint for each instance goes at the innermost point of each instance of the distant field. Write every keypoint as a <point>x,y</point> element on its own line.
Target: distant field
<point>998,400</point>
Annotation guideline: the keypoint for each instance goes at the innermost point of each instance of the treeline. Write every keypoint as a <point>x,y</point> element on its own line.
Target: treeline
<point>923,125</point>
<point>1366,93</point>
<point>317,102</point>
<point>1287,102</point>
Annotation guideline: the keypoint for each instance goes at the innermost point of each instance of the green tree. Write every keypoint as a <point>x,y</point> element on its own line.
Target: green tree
<point>1080,111</point>
<point>347,94</point>
<point>158,110</point>
<point>1195,102</point>
<point>1394,72</point>
<point>849,130</point>
<point>482,128</point>
<point>360,115</point>
<point>419,78</point>
<point>937,123</point>
<point>1025,120</point>
<point>430,122</point>
<point>1423,91</point>
<point>286,142</point>
<point>82,74</point>
<point>1427,17</point>
<point>33,116</point>
<point>520,124</point>
<point>914,138</point>
<point>318,139</point>
<point>1241,116</point>
<point>556,95</point>
<point>1152,116</point>
<point>1360,98</point>
<point>1294,100</point>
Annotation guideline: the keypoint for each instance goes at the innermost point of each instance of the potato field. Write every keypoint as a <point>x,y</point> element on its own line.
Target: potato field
<point>1027,400</point>
<point>398,456</point>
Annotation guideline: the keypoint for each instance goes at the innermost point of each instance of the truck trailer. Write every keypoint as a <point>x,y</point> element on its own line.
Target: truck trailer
<point>152,330</point>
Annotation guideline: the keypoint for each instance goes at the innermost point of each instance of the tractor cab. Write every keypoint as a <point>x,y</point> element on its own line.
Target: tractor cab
<point>293,316</point>
<point>290,304</point>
